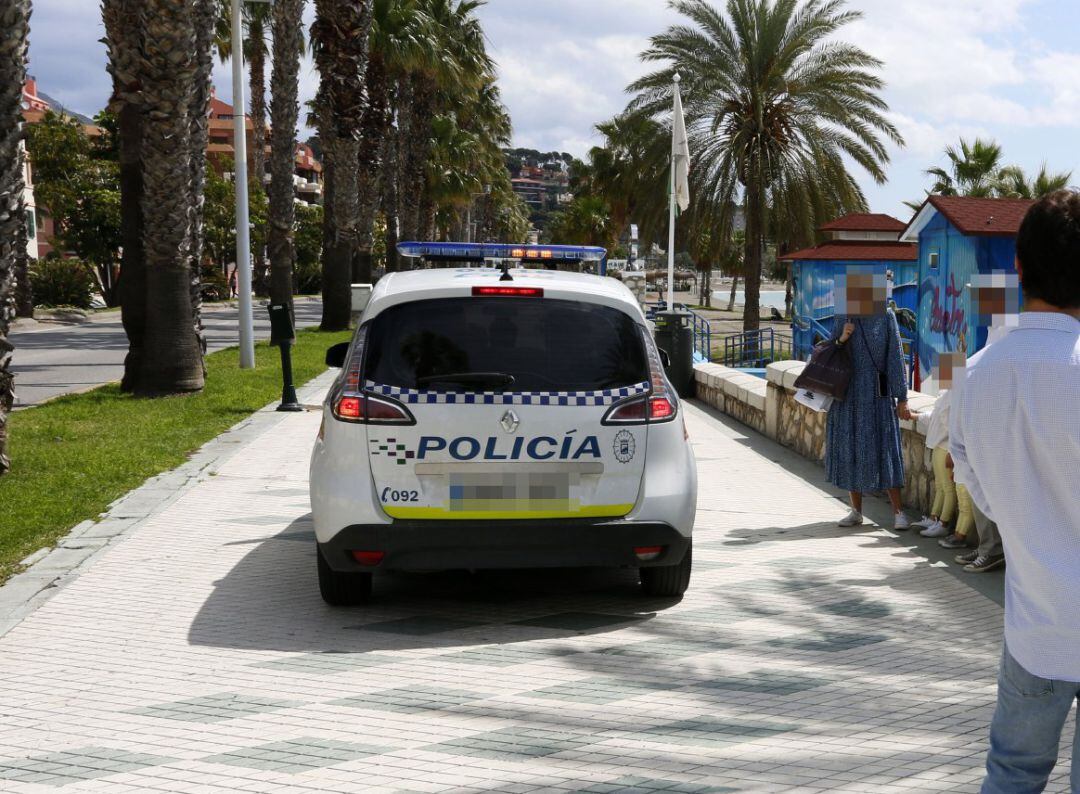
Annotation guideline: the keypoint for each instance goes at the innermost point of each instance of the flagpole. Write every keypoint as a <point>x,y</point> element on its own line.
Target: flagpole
<point>671,223</point>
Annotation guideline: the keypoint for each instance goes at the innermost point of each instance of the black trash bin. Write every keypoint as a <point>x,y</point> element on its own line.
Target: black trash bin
<point>675,337</point>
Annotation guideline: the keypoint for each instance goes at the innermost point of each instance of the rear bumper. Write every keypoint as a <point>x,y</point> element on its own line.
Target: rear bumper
<point>446,545</point>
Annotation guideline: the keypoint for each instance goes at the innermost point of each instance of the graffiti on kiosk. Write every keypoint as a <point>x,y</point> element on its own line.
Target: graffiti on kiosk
<point>949,318</point>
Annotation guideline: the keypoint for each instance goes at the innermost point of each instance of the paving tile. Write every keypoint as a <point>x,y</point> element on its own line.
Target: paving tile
<point>664,648</point>
<point>71,766</point>
<point>599,690</point>
<point>577,621</point>
<point>215,708</point>
<point>709,732</point>
<point>514,743</point>
<point>418,626</point>
<point>827,642</point>
<point>630,784</point>
<point>770,682</point>
<point>858,608</point>
<point>328,662</point>
<point>410,700</point>
<point>504,655</point>
<point>296,755</point>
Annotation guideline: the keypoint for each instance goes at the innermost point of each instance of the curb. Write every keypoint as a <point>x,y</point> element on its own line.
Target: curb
<point>51,569</point>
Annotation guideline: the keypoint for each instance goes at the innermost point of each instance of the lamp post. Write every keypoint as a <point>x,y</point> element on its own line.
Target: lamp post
<point>243,219</point>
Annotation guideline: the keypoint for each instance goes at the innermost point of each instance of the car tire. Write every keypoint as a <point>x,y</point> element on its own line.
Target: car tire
<point>342,589</point>
<point>667,580</point>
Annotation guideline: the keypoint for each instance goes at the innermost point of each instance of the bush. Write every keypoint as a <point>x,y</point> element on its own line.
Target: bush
<point>212,285</point>
<point>62,282</point>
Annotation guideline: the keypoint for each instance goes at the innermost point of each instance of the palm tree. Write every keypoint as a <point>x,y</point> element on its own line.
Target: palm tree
<point>284,113</point>
<point>339,39</point>
<point>401,40</point>
<point>172,356</point>
<point>14,32</point>
<point>462,65</point>
<point>974,170</point>
<point>774,105</point>
<point>123,41</point>
<point>204,21</point>
<point>1014,183</point>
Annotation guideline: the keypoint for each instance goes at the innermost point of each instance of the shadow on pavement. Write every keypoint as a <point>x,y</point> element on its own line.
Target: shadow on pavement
<point>270,601</point>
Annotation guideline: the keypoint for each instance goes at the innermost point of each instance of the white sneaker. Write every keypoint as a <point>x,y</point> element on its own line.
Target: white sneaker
<point>852,519</point>
<point>938,530</point>
<point>923,523</point>
<point>901,522</point>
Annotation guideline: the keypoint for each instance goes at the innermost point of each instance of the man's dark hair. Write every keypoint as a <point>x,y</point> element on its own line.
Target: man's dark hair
<point>1048,247</point>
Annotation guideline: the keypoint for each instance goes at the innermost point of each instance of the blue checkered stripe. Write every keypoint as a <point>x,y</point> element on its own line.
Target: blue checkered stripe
<point>574,398</point>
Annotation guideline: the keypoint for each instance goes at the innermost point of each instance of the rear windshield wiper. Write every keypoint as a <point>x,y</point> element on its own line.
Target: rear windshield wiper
<point>499,380</point>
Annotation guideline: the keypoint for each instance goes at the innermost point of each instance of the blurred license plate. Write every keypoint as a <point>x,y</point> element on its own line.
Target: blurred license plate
<point>520,492</point>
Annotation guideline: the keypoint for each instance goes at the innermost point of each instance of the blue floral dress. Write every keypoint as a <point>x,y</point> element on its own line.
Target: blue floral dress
<point>862,439</point>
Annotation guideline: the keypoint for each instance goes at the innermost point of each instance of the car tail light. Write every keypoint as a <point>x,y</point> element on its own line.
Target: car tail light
<point>631,412</point>
<point>507,292</point>
<point>648,553</point>
<point>369,558</point>
<point>663,404</point>
<point>351,403</point>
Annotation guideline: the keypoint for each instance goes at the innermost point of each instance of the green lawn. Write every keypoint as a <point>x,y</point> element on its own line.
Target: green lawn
<point>72,456</point>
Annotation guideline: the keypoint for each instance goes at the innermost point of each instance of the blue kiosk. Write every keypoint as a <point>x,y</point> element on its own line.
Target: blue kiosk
<point>958,237</point>
<point>863,241</point>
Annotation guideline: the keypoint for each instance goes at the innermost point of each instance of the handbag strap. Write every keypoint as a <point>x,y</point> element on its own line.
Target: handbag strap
<point>862,336</point>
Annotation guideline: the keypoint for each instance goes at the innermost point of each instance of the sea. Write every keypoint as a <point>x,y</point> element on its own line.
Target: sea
<point>769,298</point>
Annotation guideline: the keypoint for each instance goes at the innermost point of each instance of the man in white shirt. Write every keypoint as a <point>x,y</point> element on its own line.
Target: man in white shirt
<point>1015,440</point>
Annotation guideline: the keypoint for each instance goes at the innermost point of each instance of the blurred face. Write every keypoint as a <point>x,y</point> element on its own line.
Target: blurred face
<point>861,294</point>
<point>948,368</point>
<point>994,296</point>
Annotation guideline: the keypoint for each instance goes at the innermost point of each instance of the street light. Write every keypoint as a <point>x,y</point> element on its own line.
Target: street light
<point>243,228</point>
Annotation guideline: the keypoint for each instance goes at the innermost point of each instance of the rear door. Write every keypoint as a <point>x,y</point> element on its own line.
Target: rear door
<point>508,395</point>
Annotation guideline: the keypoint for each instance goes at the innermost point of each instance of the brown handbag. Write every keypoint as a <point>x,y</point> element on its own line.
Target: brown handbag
<point>828,371</point>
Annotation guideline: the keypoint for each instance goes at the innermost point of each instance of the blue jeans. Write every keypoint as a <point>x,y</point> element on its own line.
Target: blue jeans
<point>1026,731</point>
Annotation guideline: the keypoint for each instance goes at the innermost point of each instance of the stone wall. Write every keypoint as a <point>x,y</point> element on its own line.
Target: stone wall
<point>769,407</point>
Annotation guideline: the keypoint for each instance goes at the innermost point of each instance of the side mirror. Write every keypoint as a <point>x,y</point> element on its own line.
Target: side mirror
<point>336,355</point>
<point>665,359</point>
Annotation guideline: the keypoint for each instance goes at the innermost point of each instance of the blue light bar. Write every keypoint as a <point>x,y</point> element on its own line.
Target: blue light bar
<point>481,251</point>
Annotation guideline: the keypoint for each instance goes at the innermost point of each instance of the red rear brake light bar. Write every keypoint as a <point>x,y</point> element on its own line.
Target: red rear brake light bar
<point>508,292</point>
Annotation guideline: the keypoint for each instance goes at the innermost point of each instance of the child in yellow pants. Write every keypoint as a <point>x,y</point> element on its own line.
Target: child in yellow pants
<point>965,519</point>
<point>945,497</point>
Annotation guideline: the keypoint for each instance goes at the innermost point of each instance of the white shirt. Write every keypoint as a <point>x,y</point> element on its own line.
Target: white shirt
<point>1015,442</point>
<point>937,435</point>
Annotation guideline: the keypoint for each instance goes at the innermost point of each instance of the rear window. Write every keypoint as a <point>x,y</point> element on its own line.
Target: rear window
<point>544,345</point>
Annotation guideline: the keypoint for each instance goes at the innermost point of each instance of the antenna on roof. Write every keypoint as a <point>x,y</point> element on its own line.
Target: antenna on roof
<point>506,271</point>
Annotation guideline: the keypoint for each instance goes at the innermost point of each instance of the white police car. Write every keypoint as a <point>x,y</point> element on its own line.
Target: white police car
<point>501,419</point>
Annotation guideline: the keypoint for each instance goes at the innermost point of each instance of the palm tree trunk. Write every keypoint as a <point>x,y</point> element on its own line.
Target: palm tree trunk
<point>338,256</point>
<point>389,182</point>
<point>14,30</point>
<point>123,41</point>
<point>372,133</point>
<point>204,19</point>
<point>172,358</point>
<point>734,289</point>
<point>284,114</point>
<point>415,152</point>
<point>755,224</point>
<point>24,293</point>
<point>257,89</point>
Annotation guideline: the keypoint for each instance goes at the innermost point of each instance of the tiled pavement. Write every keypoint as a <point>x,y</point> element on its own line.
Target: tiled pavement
<point>196,655</point>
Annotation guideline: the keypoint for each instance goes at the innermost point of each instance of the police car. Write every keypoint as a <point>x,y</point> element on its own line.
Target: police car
<point>501,418</point>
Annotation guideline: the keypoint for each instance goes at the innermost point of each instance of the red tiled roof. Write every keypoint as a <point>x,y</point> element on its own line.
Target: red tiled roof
<point>857,251</point>
<point>982,216</point>
<point>865,222</point>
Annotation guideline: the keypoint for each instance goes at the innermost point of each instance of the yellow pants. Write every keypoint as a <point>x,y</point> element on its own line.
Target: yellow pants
<point>965,519</point>
<point>944,488</point>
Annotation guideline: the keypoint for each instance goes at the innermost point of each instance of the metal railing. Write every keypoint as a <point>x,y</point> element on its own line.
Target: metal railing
<point>755,349</point>
<point>701,328</point>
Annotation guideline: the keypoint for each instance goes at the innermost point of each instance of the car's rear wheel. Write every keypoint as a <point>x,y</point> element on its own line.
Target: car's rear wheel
<point>342,589</point>
<point>667,580</point>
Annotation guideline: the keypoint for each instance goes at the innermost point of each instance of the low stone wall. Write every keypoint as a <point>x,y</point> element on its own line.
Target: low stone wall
<point>768,406</point>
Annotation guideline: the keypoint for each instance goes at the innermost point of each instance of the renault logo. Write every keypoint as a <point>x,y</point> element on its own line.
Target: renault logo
<point>510,422</point>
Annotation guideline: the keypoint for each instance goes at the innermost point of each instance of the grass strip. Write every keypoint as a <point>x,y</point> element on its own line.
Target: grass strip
<point>74,455</point>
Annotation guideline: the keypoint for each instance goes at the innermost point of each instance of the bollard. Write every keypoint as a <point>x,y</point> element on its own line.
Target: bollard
<point>281,335</point>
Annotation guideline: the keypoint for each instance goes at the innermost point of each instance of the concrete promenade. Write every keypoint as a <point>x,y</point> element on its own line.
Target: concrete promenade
<point>190,652</point>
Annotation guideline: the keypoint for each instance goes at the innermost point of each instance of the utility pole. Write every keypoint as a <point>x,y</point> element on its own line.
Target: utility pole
<point>240,177</point>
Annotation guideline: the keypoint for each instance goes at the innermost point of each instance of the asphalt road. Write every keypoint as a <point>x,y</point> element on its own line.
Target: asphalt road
<point>54,359</point>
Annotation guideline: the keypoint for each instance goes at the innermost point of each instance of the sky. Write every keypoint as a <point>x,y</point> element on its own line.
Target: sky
<point>994,68</point>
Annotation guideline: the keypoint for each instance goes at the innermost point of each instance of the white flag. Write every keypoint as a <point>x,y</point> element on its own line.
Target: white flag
<point>680,154</point>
